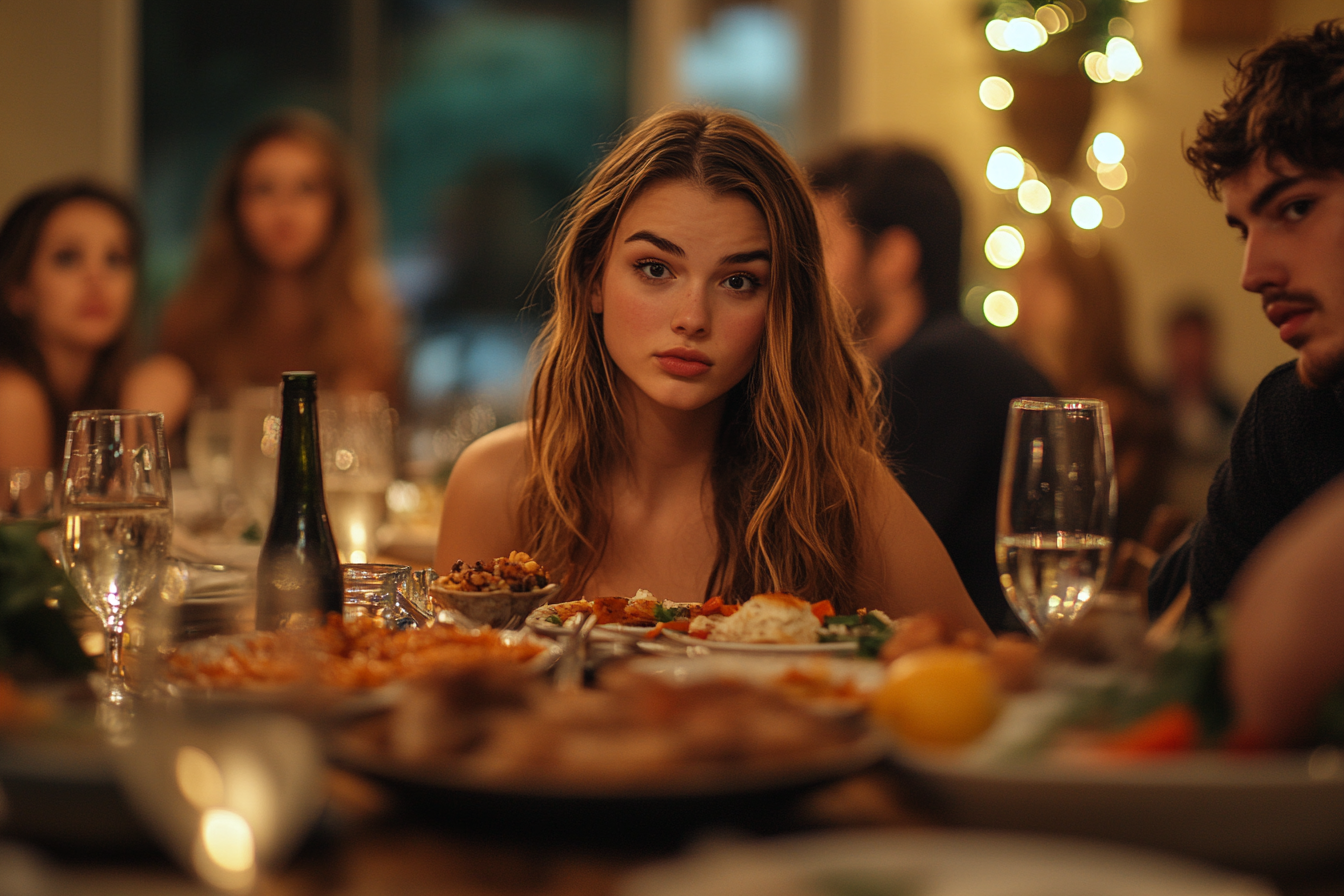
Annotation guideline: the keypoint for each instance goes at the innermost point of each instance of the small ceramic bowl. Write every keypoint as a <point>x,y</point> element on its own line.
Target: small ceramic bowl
<point>493,608</point>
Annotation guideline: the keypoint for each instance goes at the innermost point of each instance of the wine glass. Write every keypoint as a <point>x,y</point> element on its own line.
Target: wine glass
<point>1057,508</point>
<point>358,464</point>
<point>117,509</point>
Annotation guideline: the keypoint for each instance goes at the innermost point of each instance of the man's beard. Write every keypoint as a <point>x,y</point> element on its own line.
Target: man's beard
<point>1323,375</point>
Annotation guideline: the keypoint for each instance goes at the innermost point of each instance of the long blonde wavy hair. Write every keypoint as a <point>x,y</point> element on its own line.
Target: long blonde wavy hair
<point>797,432</point>
<point>210,320</point>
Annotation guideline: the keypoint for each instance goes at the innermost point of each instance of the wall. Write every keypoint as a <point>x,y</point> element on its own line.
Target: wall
<point>910,70</point>
<point>67,92</point>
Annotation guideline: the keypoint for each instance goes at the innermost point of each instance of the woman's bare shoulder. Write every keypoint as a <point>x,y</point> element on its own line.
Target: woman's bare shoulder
<point>25,420</point>
<point>480,503</point>
<point>496,456</point>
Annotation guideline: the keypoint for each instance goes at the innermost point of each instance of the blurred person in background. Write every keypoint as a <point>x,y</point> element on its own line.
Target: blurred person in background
<point>69,261</point>
<point>286,275</point>
<point>1071,324</point>
<point>891,224</point>
<point>1202,413</point>
<point>1274,153</point>
<point>700,422</point>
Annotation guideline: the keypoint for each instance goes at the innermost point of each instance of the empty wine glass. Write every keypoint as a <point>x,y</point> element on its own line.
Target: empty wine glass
<point>116,506</point>
<point>1056,509</point>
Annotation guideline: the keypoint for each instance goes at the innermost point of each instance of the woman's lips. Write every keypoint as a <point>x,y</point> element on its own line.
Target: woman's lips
<point>683,363</point>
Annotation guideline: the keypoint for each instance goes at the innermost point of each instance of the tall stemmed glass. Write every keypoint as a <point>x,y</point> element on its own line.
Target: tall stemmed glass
<point>116,505</point>
<point>1057,507</point>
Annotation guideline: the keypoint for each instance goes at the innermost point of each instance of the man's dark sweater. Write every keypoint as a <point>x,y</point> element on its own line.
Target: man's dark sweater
<point>948,388</point>
<point>1288,442</point>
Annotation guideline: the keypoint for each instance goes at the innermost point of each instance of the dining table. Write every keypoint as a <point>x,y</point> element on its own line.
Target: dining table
<point>371,837</point>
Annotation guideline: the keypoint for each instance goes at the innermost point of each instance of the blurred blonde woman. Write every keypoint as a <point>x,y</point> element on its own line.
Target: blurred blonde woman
<point>700,422</point>
<point>1072,327</point>
<point>286,276</point>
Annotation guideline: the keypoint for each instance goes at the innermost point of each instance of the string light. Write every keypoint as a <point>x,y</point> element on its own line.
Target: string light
<point>996,93</point>
<point>1086,212</point>
<point>1005,246</point>
<point>1005,169</point>
<point>1000,308</point>
<point>1034,197</point>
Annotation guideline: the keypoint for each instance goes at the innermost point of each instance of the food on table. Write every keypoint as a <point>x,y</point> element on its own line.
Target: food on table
<point>516,572</point>
<point>774,618</point>
<point>1014,658</point>
<point>491,725</point>
<point>642,610</point>
<point>360,653</point>
<point>939,696</point>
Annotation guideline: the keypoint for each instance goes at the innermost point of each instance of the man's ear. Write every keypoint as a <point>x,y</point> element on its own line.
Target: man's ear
<point>893,263</point>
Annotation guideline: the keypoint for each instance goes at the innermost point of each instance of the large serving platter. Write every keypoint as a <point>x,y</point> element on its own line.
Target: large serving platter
<point>675,803</point>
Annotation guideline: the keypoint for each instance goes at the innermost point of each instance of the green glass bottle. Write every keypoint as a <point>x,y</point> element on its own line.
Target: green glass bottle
<point>299,570</point>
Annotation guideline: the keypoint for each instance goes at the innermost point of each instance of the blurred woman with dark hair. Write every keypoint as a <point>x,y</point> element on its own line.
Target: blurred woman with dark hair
<point>286,276</point>
<point>1071,326</point>
<point>69,260</point>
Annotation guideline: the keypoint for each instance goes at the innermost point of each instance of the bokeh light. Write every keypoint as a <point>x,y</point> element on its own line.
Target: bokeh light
<point>1112,177</point>
<point>1005,246</point>
<point>199,778</point>
<point>996,93</point>
<point>1120,27</point>
<point>1108,148</point>
<point>1122,59</point>
<point>1006,168</point>
<point>1086,212</point>
<point>1096,66</point>
<point>1024,35</point>
<point>1053,18</point>
<point>994,33</point>
<point>1112,211</point>
<point>1033,196</point>
<point>1000,308</point>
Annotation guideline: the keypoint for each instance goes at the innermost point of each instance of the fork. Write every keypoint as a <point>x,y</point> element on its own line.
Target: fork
<point>569,668</point>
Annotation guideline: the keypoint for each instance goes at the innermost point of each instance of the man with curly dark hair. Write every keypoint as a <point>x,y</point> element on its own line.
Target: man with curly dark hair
<point>1274,153</point>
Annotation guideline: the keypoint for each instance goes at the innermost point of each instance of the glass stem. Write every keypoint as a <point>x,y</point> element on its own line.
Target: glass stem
<point>116,673</point>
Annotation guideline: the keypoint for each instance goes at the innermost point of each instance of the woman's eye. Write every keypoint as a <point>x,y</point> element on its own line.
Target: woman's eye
<point>741,282</point>
<point>654,270</point>
<point>66,257</point>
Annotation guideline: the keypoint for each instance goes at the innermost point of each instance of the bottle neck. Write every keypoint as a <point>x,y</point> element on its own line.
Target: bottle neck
<point>299,474</point>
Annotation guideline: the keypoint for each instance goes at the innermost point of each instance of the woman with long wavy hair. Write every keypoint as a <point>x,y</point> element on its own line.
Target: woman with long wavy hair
<point>286,276</point>
<point>700,422</point>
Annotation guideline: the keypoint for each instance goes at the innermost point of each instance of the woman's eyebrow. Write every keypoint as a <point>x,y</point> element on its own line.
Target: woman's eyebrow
<point>745,257</point>
<point>666,245</point>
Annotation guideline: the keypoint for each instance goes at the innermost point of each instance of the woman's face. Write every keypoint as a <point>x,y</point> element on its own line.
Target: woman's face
<point>285,203</point>
<point>81,282</point>
<point>683,294</point>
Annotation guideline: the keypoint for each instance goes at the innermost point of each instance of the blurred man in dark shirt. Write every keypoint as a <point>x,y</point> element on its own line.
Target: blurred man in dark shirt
<point>892,227</point>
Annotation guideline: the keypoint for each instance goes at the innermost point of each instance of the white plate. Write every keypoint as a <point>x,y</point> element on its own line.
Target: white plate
<point>608,632</point>
<point>933,863</point>
<point>841,648</point>
<point>1267,812</point>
